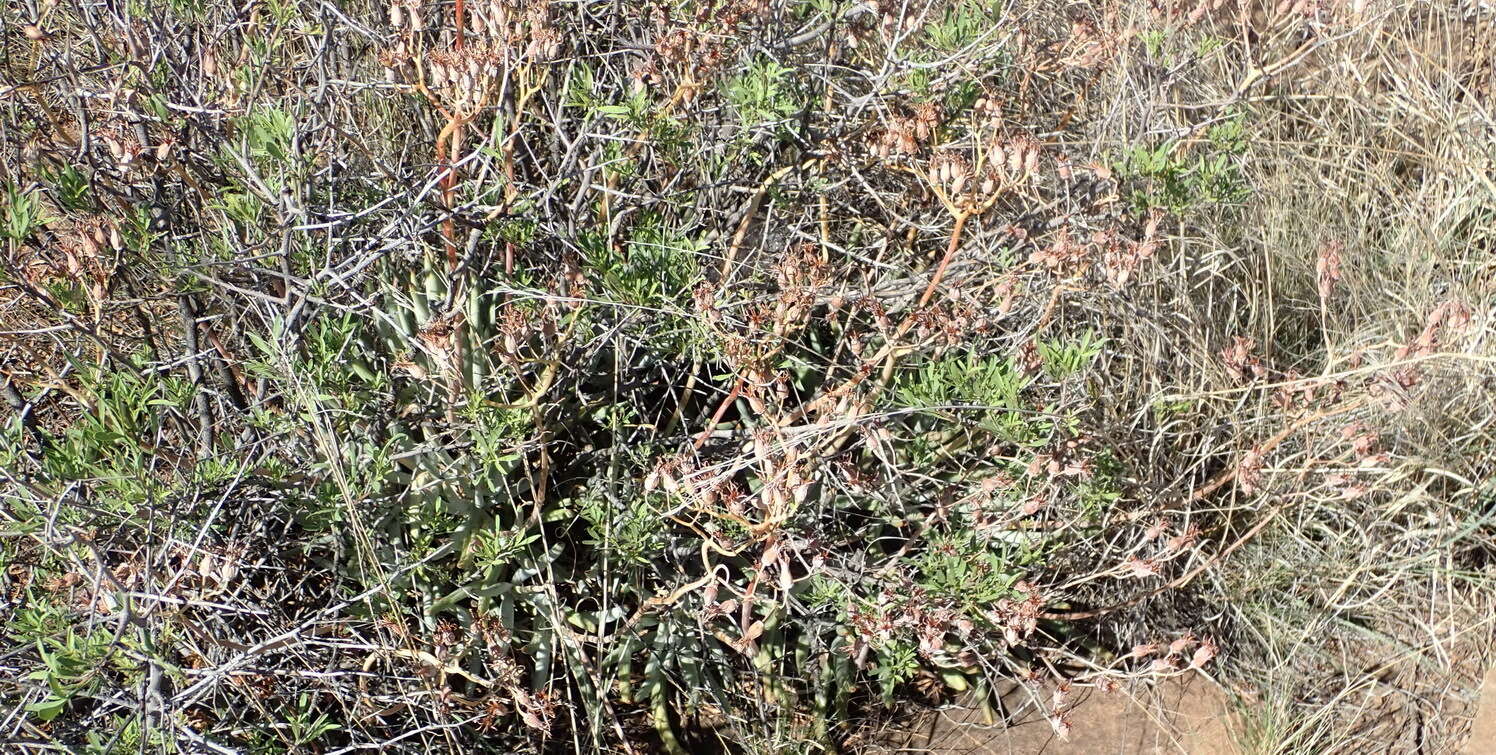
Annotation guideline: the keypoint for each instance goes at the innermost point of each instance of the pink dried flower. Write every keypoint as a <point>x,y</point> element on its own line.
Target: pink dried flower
<point>1182,540</point>
<point>1140,568</point>
<point>1061,697</point>
<point>1155,530</point>
<point>1249,471</point>
<point>1061,727</point>
<point>1203,654</point>
<point>1327,268</point>
<point>1178,646</point>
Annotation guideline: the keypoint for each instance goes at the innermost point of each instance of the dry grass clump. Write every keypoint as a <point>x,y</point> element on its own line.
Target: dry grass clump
<point>1350,304</point>
<point>739,375</point>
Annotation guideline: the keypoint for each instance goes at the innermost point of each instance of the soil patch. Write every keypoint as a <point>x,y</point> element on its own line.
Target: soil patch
<point>1188,715</point>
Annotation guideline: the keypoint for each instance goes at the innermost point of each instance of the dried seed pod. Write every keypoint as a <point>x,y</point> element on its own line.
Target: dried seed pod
<point>396,18</point>
<point>227,572</point>
<point>1031,161</point>
<point>163,151</point>
<point>114,239</point>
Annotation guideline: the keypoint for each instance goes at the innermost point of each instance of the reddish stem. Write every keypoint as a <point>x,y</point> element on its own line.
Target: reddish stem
<point>737,388</point>
<point>459,11</point>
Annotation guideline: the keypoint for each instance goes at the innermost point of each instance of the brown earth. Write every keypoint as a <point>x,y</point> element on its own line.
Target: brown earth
<point>1181,716</point>
<point>1191,716</point>
<point>1483,729</point>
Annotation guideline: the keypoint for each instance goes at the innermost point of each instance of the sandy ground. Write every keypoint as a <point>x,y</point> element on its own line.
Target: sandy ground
<point>1483,731</point>
<point>1188,716</point>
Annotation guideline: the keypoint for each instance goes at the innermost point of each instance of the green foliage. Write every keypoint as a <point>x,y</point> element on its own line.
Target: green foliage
<point>1153,42</point>
<point>518,231</point>
<point>960,24</point>
<point>70,187</point>
<point>763,93</point>
<point>267,133</point>
<point>1164,409</point>
<point>1168,179</point>
<point>1229,136</point>
<point>898,662</point>
<point>136,231</point>
<point>497,432</point>
<point>1065,358</point>
<point>581,87</point>
<point>187,9</point>
<point>73,661</point>
<point>420,459</point>
<point>332,360</point>
<point>656,269</point>
<point>968,572</point>
<point>12,442</point>
<point>992,387</point>
<point>244,208</point>
<point>124,733</point>
<point>305,724</point>
<point>110,444</point>
<point>23,213</point>
<point>1208,44</point>
<point>634,111</point>
<point>963,380</point>
<point>630,530</point>
<point>617,162</point>
<point>1103,488</point>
